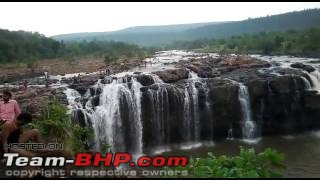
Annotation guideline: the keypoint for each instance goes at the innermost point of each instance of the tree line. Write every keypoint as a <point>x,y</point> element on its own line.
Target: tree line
<point>291,42</point>
<point>22,46</point>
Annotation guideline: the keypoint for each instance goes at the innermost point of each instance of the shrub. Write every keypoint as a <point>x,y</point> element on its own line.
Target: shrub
<point>266,164</point>
<point>54,122</point>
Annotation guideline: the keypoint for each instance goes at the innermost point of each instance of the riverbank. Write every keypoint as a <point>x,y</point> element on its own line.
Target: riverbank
<point>19,71</point>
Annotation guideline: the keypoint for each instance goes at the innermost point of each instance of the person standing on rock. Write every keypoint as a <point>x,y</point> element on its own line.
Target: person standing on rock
<point>9,108</point>
<point>25,85</point>
<point>46,77</point>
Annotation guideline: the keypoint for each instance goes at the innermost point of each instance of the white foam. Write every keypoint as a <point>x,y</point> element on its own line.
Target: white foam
<point>191,146</point>
<point>252,141</point>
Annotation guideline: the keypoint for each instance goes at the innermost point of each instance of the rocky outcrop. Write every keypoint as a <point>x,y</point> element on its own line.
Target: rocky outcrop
<point>145,80</point>
<point>287,84</point>
<point>302,66</point>
<point>172,75</point>
<point>36,99</point>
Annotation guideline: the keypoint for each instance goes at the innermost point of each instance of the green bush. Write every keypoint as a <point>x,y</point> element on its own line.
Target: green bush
<point>55,123</point>
<point>266,164</point>
<point>80,138</point>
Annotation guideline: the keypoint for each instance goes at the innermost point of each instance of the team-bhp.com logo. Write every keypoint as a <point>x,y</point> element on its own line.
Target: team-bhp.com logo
<point>95,160</point>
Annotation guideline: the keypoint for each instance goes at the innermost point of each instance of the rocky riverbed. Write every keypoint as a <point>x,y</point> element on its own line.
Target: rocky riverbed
<point>181,97</point>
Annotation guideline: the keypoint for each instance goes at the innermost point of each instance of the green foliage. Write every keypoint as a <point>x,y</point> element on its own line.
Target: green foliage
<point>54,123</point>
<point>21,46</point>
<point>304,42</point>
<point>266,164</point>
<point>80,138</point>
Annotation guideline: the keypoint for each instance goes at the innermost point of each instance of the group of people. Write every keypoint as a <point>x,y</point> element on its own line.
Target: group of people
<point>13,130</point>
<point>12,121</point>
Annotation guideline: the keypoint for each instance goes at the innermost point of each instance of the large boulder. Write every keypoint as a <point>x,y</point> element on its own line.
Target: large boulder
<point>302,66</point>
<point>287,84</point>
<point>258,88</point>
<point>206,71</point>
<point>145,80</point>
<point>172,75</point>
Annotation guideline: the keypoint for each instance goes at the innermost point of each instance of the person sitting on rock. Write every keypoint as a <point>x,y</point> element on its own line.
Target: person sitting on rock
<point>9,108</point>
<point>15,132</point>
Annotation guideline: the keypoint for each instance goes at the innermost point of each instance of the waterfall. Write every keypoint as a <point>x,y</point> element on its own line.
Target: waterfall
<point>75,105</point>
<point>249,126</point>
<point>193,75</point>
<point>160,115</point>
<point>187,125</point>
<point>230,134</point>
<point>306,82</point>
<point>195,102</point>
<point>117,120</point>
<point>73,98</point>
<point>315,79</point>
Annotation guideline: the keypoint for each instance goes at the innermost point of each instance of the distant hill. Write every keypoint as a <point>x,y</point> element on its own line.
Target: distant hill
<point>129,34</point>
<point>294,20</point>
<point>160,35</point>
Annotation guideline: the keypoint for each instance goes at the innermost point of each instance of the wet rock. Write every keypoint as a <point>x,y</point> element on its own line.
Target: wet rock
<point>286,84</point>
<point>145,80</point>
<point>206,71</point>
<point>81,88</point>
<point>258,88</point>
<point>79,117</point>
<point>95,101</point>
<point>312,101</point>
<point>305,67</point>
<point>172,75</point>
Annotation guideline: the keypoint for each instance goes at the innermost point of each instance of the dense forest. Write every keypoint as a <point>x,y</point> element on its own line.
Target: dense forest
<point>292,42</point>
<point>160,35</point>
<point>17,46</point>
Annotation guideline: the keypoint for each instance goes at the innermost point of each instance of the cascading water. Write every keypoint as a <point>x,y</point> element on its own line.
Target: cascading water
<point>306,82</point>
<point>249,126</point>
<point>117,119</point>
<point>315,79</point>
<point>73,98</point>
<point>195,106</point>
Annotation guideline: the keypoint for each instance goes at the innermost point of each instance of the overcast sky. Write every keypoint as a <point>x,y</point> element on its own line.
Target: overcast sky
<point>52,18</point>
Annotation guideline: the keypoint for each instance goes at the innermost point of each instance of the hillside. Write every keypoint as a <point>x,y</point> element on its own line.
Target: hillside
<point>292,42</point>
<point>26,45</point>
<point>294,20</point>
<point>23,46</point>
<point>160,35</point>
<point>138,34</point>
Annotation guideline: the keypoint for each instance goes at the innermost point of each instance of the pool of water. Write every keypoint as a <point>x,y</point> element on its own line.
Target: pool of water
<point>302,152</point>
